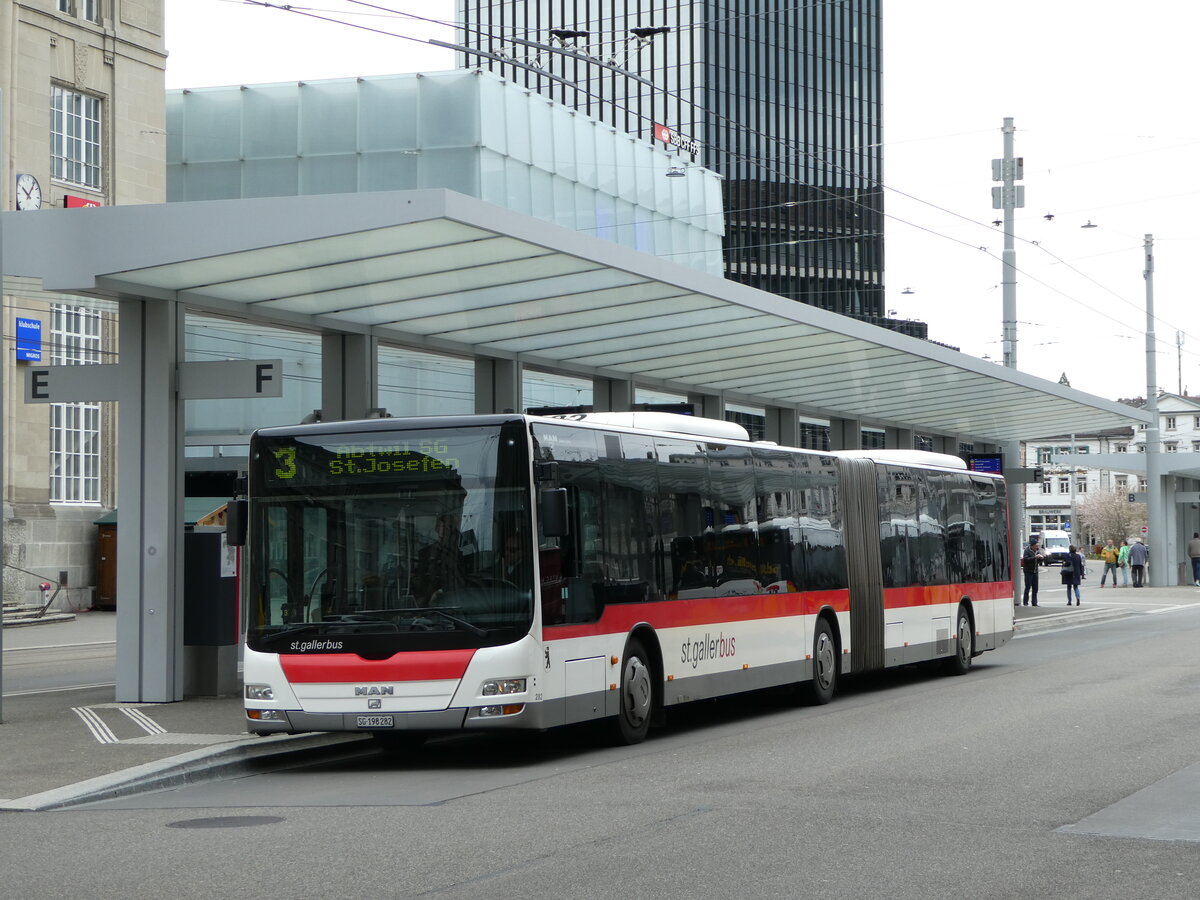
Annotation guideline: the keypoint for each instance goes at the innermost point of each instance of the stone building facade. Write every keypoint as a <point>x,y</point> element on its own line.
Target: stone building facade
<point>83,125</point>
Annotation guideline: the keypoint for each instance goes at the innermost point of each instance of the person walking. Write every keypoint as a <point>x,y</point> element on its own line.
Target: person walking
<point>1111,556</point>
<point>1072,574</point>
<point>1031,558</point>
<point>1138,554</point>
<point>1194,553</point>
<point>1123,562</point>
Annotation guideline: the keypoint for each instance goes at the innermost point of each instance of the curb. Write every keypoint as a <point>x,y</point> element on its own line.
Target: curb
<point>193,767</point>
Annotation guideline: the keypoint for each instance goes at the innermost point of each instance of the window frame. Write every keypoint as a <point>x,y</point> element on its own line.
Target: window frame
<point>76,154</point>
<point>75,428</point>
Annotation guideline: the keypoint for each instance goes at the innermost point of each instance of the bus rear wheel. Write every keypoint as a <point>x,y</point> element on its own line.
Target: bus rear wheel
<point>823,686</point>
<point>636,695</point>
<point>964,644</point>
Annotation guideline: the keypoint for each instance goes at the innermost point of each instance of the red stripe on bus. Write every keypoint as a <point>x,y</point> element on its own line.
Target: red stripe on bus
<point>620,617</point>
<point>334,668</point>
<point>939,594</point>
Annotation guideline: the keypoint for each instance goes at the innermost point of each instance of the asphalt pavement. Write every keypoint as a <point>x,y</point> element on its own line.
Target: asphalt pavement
<point>60,748</point>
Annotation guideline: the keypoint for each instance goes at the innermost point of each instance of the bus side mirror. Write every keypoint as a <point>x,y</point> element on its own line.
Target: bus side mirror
<point>235,523</point>
<point>554,512</point>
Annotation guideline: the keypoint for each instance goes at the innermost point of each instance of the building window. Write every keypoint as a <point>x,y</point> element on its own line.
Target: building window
<point>74,427</point>
<point>1122,483</point>
<point>1170,423</point>
<point>67,6</point>
<point>923,442</point>
<point>1196,421</point>
<point>1122,448</point>
<point>1171,447</point>
<point>872,440</point>
<point>1081,485</point>
<point>1044,454</point>
<point>1195,446</point>
<point>75,138</point>
<point>1141,484</point>
<point>1064,485</point>
<point>1045,487</point>
<point>91,10</point>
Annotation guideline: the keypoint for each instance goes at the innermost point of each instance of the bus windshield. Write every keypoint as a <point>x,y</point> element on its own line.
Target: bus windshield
<point>381,541</point>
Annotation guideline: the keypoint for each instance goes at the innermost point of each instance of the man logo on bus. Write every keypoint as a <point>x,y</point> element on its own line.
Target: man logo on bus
<point>374,691</point>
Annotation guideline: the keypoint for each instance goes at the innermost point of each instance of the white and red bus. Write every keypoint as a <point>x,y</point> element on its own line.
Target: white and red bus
<point>411,576</point>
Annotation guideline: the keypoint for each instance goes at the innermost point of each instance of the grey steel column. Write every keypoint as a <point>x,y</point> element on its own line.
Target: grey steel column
<point>1016,525</point>
<point>783,426</point>
<point>150,505</point>
<point>845,434</point>
<point>497,385</point>
<point>3,423</point>
<point>349,376</point>
<point>612,394</point>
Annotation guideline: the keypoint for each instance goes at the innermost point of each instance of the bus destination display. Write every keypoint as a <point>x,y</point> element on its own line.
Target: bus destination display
<point>305,464</point>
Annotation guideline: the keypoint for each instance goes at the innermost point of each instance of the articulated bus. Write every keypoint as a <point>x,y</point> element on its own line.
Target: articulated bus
<point>427,575</point>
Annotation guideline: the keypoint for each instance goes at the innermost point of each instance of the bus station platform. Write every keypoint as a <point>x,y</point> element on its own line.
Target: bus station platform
<point>64,748</point>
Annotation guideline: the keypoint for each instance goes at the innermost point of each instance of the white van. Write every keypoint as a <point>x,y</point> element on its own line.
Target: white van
<point>1055,547</point>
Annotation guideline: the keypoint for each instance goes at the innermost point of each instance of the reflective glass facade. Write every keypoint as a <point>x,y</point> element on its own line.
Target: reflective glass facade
<point>781,98</point>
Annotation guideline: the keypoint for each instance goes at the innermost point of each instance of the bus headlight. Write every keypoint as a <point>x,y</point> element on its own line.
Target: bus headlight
<point>259,692</point>
<point>503,686</point>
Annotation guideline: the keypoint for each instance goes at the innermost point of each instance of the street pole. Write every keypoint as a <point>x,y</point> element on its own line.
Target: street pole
<point>1008,197</point>
<point>1158,576</point>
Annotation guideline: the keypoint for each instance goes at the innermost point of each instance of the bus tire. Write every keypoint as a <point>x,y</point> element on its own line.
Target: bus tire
<point>636,697</point>
<point>964,644</point>
<point>823,686</point>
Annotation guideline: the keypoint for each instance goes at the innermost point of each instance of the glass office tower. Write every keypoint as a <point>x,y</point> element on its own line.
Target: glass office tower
<point>781,98</point>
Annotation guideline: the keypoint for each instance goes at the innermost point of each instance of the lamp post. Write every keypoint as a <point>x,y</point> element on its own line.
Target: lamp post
<point>1154,499</point>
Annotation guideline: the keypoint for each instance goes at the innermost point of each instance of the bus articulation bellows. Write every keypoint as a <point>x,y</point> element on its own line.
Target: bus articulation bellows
<point>411,576</point>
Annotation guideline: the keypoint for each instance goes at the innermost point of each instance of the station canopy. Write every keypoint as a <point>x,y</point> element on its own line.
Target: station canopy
<point>441,270</point>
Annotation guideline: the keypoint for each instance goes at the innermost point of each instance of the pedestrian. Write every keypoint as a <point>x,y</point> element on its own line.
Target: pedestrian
<point>1138,554</point>
<point>1123,562</point>
<point>1072,574</point>
<point>1111,556</point>
<point>1030,560</point>
<point>1194,553</point>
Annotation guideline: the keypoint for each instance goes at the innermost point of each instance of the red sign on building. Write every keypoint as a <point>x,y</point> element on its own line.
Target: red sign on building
<point>73,202</point>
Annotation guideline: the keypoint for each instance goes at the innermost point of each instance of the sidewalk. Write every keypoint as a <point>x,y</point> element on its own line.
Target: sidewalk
<point>66,747</point>
<point>63,748</point>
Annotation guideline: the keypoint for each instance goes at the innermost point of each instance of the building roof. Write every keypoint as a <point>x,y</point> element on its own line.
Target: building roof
<point>438,269</point>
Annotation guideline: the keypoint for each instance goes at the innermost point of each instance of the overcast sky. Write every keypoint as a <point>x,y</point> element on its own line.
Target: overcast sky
<point>1103,100</point>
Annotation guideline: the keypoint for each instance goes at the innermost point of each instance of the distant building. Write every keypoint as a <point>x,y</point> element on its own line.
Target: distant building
<point>1048,504</point>
<point>784,101</point>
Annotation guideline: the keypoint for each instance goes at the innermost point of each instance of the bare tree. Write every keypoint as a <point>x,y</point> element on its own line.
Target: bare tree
<point>1109,514</point>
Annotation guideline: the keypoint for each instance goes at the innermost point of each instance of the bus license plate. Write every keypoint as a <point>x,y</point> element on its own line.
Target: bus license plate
<point>374,722</point>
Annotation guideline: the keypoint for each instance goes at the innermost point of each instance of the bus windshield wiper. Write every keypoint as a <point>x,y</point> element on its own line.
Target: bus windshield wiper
<point>463,623</point>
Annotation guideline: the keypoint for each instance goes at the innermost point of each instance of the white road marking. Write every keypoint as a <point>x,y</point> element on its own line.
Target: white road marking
<point>143,721</point>
<point>95,724</point>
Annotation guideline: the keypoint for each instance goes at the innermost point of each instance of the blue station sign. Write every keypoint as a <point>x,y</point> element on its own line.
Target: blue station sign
<point>29,339</point>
